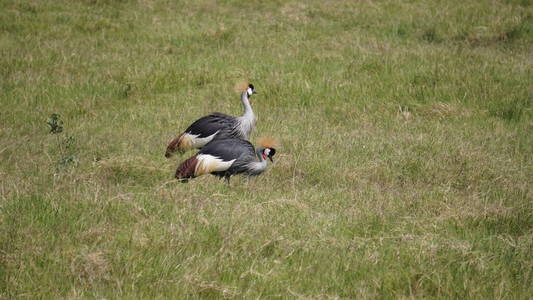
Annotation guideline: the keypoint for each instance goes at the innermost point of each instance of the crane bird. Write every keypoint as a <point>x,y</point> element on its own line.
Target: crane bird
<point>227,157</point>
<point>218,125</point>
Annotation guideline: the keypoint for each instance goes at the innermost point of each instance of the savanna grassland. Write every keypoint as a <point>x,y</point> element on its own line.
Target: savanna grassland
<point>404,167</point>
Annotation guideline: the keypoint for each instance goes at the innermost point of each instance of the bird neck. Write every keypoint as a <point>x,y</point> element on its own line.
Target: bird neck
<point>257,167</point>
<point>248,112</point>
<point>259,154</point>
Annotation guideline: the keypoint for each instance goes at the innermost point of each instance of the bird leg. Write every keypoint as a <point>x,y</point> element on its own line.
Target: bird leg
<point>226,178</point>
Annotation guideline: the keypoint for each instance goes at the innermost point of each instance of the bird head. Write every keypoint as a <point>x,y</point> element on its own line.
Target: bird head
<point>245,88</point>
<point>250,90</point>
<point>267,146</point>
<point>268,152</point>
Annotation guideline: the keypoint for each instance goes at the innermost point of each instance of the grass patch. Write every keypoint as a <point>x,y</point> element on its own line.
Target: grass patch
<point>403,169</point>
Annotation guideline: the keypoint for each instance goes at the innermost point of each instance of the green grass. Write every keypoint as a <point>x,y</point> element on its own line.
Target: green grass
<point>404,168</point>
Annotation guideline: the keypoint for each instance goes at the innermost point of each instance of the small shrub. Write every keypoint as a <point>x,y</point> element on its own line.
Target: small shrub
<point>55,123</point>
<point>65,145</point>
<point>430,35</point>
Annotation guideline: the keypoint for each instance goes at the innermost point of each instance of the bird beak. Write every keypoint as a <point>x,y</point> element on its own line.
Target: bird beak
<point>254,92</point>
<point>271,159</point>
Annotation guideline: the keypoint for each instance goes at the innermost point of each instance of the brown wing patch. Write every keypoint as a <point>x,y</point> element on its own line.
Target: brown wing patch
<point>185,143</point>
<point>205,166</point>
<point>181,143</point>
<point>187,168</point>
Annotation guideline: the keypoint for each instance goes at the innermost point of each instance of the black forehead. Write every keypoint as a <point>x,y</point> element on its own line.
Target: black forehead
<point>272,151</point>
<point>251,86</point>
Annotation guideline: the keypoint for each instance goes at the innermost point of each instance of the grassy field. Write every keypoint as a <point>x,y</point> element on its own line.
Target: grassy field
<point>404,169</point>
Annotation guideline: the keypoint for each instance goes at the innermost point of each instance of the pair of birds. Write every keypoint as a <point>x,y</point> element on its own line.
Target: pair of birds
<point>224,146</point>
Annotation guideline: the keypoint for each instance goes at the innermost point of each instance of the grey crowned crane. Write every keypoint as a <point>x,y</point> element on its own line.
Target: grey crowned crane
<point>218,125</point>
<point>227,157</point>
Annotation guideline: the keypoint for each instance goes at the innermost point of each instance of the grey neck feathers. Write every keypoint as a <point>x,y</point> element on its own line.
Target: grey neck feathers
<point>257,167</point>
<point>248,112</point>
<point>246,123</point>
